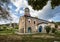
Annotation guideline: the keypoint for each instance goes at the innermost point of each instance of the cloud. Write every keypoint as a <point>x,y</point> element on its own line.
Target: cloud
<point>20,3</point>
<point>56,18</point>
<point>15,19</point>
<point>17,3</point>
<point>47,13</point>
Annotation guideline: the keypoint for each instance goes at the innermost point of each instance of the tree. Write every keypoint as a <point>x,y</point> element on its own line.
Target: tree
<point>4,13</point>
<point>55,3</point>
<point>53,30</point>
<point>47,28</point>
<point>56,26</point>
<point>39,4</point>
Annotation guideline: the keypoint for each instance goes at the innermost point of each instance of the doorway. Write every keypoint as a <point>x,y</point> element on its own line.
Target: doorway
<point>40,29</point>
<point>29,29</point>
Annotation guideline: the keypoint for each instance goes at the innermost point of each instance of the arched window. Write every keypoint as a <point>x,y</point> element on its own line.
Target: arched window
<point>29,20</point>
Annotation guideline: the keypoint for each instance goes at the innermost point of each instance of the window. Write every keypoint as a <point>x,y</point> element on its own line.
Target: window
<point>34,22</point>
<point>29,20</point>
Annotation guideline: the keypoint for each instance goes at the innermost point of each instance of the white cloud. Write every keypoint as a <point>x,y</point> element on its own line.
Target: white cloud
<point>21,12</point>
<point>46,13</point>
<point>17,3</point>
<point>20,3</point>
<point>10,6</point>
<point>15,19</point>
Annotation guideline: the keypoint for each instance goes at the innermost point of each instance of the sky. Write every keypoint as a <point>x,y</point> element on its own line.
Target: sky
<point>47,13</point>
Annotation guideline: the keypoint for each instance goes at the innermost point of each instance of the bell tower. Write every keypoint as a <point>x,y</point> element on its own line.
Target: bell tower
<point>27,12</point>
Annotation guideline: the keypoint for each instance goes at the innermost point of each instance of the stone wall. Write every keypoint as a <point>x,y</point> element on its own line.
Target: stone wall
<point>26,22</point>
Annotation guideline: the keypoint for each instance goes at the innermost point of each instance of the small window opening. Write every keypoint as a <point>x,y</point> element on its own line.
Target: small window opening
<point>34,22</point>
<point>29,21</point>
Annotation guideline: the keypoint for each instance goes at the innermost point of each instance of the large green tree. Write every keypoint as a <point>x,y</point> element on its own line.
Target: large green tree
<point>39,4</point>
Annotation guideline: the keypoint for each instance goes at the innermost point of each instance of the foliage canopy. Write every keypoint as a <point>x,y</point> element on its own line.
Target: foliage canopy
<point>39,4</point>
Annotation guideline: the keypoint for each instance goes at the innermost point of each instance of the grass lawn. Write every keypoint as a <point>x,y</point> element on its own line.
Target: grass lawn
<point>10,36</point>
<point>7,31</point>
<point>23,38</point>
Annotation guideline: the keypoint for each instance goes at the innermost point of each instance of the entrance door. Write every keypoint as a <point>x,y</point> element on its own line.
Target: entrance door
<point>40,29</point>
<point>29,29</point>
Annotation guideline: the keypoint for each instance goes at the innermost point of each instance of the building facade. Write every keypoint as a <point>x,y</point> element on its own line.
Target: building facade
<point>28,24</point>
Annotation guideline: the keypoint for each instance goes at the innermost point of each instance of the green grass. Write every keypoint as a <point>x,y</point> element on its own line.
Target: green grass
<point>24,38</point>
<point>8,35</point>
<point>7,31</point>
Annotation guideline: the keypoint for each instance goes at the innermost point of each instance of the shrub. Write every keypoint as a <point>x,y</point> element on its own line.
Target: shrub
<point>16,27</point>
<point>1,29</point>
<point>4,27</point>
<point>48,28</point>
<point>53,30</point>
<point>56,26</point>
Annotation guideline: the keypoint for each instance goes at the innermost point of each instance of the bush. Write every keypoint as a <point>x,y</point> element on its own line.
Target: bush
<point>53,30</point>
<point>48,28</point>
<point>1,29</point>
<point>57,32</point>
<point>16,27</point>
<point>4,27</point>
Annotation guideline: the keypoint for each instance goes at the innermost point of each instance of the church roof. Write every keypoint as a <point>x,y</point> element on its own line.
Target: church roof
<point>36,18</point>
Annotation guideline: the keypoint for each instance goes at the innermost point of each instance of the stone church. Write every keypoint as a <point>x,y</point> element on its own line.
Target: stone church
<point>29,24</point>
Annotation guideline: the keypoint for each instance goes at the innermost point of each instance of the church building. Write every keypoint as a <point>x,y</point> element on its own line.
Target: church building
<point>29,24</point>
